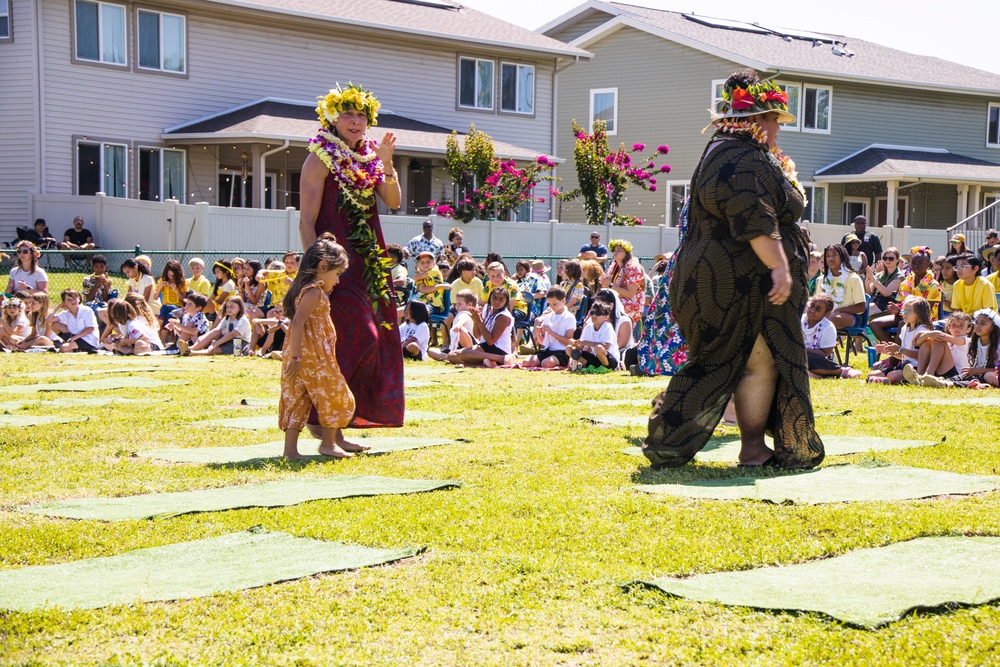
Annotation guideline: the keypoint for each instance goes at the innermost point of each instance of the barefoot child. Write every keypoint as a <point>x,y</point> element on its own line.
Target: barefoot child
<point>553,331</point>
<point>493,328</point>
<point>192,322</point>
<point>916,312</point>
<point>221,338</point>
<point>310,374</point>
<point>942,353</point>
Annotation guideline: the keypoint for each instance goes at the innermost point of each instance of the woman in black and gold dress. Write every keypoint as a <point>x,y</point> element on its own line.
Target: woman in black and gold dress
<point>738,293</point>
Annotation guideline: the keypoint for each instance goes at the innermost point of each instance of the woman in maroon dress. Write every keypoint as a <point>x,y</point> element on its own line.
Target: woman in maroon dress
<point>340,179</point>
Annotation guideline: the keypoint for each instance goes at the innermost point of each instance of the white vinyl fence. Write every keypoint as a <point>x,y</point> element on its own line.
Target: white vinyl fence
<point>125,223</point>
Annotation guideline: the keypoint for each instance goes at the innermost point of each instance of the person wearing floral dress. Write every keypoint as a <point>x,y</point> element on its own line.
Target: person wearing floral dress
<point>626,278</point>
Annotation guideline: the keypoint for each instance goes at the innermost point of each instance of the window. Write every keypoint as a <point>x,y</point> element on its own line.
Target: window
<point>4,19</point>
<point>853,207</point>
<point>161,41</point>
<point>677,194</point>
<point>161,174</point>
<point>816,109</point>
<point>517,88</point>
<point>992,125</point>
<point>475,83</point>
<point>100,167</point>
<point>716,102</point>
<point>100,32</point>
<point>815,210</point>
<point>792,90</point>
<point>604,106</point>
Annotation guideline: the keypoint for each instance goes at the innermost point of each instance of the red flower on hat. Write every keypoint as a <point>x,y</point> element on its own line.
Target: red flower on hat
<point>776,96</point>
<point>742,99</point>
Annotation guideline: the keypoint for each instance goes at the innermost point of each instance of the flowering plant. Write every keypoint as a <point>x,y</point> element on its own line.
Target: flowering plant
<point>604,174</point>
<point>353,97</point>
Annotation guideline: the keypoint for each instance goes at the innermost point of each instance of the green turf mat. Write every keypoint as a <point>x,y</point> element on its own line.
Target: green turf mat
<point>866,587</point>
<point>272,450</point>
<point>422,371</point>
<point>111,369</point>
<point>193,569</point>
<point>833,484</point>
<point>423,415</point>
<point>93,385</point>
<point>257,423</point>
<point>419,384</point>
<point>291,491</point>
<point>638,402</point>
<point>96,402</point>
<point>17,421</point>
<point>726,449</point>
<point>985,401</point>
<point>260,402</point>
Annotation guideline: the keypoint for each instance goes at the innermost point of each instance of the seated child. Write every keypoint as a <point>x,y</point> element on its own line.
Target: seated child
<point>573,284</point>
<point>493,330</point>
<point>135,334</point>
<point>462,333</point>
<point>979,369</point>
<point>916,314</point>
<point>198,282</point>
<point>400,277</point>
<point>76,324</point>
<point>821,337</point>
<point>219,340</point>
<point>496,278</point>
<point>37,307</point>
<point>14,326</point>
<point>273,331</point>
<point>598,344</point>
<point>192,322</point>
<point>429,283</point>
<point>97,287</point>
<point>414,332</point>
<point>553,331</point>
<point>942,353</point>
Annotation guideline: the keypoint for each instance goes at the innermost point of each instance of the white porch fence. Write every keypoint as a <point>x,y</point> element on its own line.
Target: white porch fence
<point>124,223</point>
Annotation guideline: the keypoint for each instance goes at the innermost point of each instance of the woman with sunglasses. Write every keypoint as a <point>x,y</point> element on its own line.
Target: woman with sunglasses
<point>26,274</point>
<point>882,281</point>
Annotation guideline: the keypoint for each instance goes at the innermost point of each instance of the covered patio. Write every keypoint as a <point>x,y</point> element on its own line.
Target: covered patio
<point>251,156</point>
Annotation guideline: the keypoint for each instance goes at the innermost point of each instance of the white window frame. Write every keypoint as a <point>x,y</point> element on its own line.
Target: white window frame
<point>713,99</point>
<point>161,150</point>
<point>905,222</point>
<point>989,108</point>
<point>100,34</point>
<point>669,186</point>
<point>517,92</point>
<point>5,12</point>
<point>855,200</point>
<point>805,88</point>
<point>797,111</point>
<point>826,201</point>
<point>138,46</point>
<point>270,183</point>
<point>493,85</point>
<point>101,167</point>
<point>603,91</point>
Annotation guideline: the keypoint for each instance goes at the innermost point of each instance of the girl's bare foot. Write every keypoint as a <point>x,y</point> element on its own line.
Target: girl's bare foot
<point>295,457</point>
<point>334,452</point>
<point>489,363</point>
<point>347,445</point>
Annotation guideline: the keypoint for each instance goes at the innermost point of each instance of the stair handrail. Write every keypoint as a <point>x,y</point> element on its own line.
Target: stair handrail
<point>978,213</point>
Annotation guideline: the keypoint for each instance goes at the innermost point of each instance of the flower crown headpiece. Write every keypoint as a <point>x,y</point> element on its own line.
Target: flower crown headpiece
<point>990,313</point>
<point>620,243</point>
<point>30,246</point>
<point>228,270</point>
<point>756,98</point>
<point>340,99</point>
<point>11,301</point>
<point>920,249</point>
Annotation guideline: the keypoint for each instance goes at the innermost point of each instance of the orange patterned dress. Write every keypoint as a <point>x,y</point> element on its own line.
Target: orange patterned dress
<point>319,383</point>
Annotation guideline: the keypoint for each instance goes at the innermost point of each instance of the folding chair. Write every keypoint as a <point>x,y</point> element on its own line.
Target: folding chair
<point>523,328</point>
<point>849,334</point>
<point>438,320</point>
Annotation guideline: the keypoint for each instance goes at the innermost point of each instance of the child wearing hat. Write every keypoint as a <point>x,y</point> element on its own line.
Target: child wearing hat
<point>429,283</point>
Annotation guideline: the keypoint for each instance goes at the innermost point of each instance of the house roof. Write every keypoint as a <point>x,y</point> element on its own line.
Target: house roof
<point>287,120</point>
<point>902,163</point>
<point>784,50</point>
<point>438,19</point>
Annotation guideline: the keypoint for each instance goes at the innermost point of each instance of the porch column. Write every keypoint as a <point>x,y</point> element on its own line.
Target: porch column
<point>891,205</point>
<point>974,191</point>
<point>402,164</point>
<point>963,202</point>
<point>258,176</point>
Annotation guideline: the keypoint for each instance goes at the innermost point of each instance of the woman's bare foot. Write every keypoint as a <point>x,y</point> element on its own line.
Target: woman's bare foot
<point>334,452</point>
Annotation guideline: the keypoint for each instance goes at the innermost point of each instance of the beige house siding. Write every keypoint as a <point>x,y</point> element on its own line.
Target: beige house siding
<point>236,58</point>
<point>19,171</point>
<point>580,26</point>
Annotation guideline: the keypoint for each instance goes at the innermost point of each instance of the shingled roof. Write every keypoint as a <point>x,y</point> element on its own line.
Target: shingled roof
<point>896,163</point>
<point>774,49</point>
<point>441,19</point>
<point>280,120</point>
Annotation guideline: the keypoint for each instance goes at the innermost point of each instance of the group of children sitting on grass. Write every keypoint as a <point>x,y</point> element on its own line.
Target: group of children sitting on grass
<point>176,313</point>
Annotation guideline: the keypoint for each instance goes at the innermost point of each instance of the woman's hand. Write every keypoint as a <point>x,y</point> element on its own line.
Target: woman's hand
<point>386,148</point>
<point>781,288</point>
<point>292,368</point>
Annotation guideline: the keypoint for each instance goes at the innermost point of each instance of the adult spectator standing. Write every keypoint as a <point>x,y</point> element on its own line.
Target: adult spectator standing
<point>871,244</point>
<point>40,235</point>
<point>992,239</point>
<point>78,237</point>
<point>425,242</point>
<point>595,246</point>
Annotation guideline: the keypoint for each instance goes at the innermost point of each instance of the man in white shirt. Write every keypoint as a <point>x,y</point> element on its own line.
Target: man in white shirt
<point>77,326</point>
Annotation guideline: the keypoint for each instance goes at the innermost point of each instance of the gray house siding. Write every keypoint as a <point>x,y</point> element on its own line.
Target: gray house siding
<point>19,127</point>
<point>236,58</point>
<point>665,93</point>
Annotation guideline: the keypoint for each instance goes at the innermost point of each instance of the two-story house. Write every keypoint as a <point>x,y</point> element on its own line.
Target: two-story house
<point>874,124</point>
<point>213,100</point>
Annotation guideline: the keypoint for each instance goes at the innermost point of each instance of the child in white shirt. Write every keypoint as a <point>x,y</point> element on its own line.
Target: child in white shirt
<point>554,331</point>
<point>948,352</point>
<point>598,344</point>
<point>77,326</point>
<point>820,337</point>
<point>220,339</point>
<point>14,326</point>
<point>414,333</point>
<point>916,312</point>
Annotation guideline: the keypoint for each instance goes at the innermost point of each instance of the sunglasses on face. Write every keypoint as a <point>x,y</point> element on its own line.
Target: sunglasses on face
<point>23,251</point>
<point>889,258</point>
<point>906,311</point>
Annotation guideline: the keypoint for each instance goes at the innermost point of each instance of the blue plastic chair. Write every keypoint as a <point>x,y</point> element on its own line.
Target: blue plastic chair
<point>439,320</point>
<point>857,330</point>
<point>523,328</point>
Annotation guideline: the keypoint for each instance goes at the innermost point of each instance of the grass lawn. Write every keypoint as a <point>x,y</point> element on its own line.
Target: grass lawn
<point>524,563</point>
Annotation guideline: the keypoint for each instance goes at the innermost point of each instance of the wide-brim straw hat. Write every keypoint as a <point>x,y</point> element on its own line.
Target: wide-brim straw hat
<point>539,265</point>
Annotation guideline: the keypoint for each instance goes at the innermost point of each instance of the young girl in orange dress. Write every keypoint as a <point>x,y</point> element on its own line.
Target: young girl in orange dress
<point>310,374</point>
